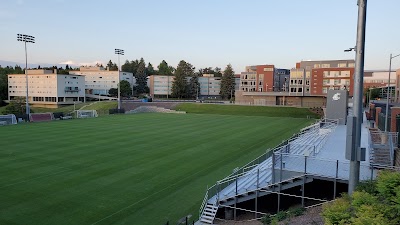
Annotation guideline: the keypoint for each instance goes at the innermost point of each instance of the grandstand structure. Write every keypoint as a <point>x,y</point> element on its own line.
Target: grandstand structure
<point>8,119</point>
<point>317,153</point>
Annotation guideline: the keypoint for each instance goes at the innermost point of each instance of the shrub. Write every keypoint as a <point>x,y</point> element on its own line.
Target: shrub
<point>281,215</point>
<point>266,220</point>
<point>337,212</point>
<point>296,211</point>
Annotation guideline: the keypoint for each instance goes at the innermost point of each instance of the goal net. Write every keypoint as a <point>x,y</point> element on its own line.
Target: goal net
<point>8,119</point>
<point>40,117</point>
<point>86,113</point>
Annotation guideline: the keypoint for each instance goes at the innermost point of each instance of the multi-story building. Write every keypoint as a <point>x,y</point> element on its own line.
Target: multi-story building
<point>258,78</point>
<point>314,77</point>
<point>378,78</point>
<point>237,82</point>
<point>281,80</point>
<point>47,88</point>
<point>160,85</point>
<point>99,81</point>
<point>210,86</point>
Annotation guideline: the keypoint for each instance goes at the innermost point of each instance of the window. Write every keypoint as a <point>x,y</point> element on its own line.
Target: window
<point>268,69</point>
<point>300,89</point>
<point>307,82</point>
<point>324,90</point>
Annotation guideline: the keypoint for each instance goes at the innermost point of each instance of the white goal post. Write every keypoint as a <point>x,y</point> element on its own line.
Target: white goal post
<point>86,113</point>
<point>8,119</point>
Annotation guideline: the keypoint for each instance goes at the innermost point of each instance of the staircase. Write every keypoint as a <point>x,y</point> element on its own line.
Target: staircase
<point>208,215</point>
<point>381,156</point>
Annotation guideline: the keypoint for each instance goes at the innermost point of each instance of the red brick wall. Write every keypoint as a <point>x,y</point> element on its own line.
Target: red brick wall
<point>268,78</point>
<point>378,110</point>
<point>318,77</point>
<point>394,113</point>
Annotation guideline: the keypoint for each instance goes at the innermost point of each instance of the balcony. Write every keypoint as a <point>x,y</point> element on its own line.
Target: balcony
<point>71,89</point>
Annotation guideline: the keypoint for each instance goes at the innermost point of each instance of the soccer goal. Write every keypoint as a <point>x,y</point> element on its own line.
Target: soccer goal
<point>8,119</point>
<point>40,117</point>
<point>86,113</point>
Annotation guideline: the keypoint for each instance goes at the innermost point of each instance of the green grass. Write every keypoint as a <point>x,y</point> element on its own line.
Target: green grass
<point>102,108</point>
<point>65,109</point>
<point>246,110</point>
<point>125,169</point>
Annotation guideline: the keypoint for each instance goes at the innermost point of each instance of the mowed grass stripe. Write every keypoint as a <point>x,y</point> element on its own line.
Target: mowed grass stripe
<point>162,158</point>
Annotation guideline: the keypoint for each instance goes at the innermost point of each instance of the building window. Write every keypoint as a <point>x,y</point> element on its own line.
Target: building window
<point>324,90</point>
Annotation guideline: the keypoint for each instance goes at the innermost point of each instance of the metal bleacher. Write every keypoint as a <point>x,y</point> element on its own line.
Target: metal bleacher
<point>243,184</point>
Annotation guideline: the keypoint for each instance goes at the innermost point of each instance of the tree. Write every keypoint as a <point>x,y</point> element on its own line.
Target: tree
<point>17,107</point>
<point>113,92</point>
<point>164,69</point>
<point>141,78</point>
<point>125,88</point>
<point>112,66</point>
<point>179,85</point>
<point>131,66</point>
<point>228,83</point>
<point>150,70</point>
<point>193,87</point>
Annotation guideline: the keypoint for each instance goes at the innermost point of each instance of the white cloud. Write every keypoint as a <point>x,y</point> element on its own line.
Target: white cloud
<point>72,63</point>
<point>69,62</point>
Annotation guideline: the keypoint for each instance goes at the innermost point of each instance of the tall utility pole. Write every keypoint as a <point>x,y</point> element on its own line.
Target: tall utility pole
<point>119,52</point>
<point>354,175</point>
<point>30,39</point>
<point>388,92</point>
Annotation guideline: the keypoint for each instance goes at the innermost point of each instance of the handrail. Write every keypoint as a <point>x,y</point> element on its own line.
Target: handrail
<point>391,150</point>
<point>247,168</point>
<point>203,204</point>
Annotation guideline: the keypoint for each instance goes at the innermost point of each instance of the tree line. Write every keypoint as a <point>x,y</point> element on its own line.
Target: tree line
<point>181,87</point>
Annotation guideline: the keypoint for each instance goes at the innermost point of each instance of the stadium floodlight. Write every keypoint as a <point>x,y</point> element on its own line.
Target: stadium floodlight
<point>26,39</point>
<point>119,52</point>
<point>388,92</point>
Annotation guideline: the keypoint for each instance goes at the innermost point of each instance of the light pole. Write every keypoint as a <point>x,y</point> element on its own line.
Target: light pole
<point>355,147</point>
<point>30,39</point>
<point>388,92</point>
<point>119,52</point>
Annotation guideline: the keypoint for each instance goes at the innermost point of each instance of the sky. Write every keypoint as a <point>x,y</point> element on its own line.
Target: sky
<point>205,33</point>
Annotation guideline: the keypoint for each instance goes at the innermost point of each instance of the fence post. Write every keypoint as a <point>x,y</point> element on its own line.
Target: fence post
<point>218,190</point>
<point>335,181</point>
<point>236,194</point>
<point>186,219</point>
<point>280,180</point>
<point>304,181</point>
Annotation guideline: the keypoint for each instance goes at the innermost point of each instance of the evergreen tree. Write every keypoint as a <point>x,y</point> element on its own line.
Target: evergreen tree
<point>179,85</point>
<point>141,78</point>
<point>112,66</point>
<point>228,83</point>
<point>150,70</point>
<point>193,87</point>
<point>164,69</point>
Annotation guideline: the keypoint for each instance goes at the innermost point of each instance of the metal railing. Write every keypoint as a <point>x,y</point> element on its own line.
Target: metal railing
<point>249,168</point>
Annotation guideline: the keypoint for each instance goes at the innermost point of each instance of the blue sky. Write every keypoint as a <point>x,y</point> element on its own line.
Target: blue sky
<point>206,33</point>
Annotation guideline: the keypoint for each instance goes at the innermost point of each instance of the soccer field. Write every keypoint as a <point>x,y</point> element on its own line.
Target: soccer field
<point>126,169</point>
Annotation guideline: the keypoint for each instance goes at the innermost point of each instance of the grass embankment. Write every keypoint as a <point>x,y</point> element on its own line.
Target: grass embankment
<point>246,110</point>
<point>126,169</point>
<point>102,108</point>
